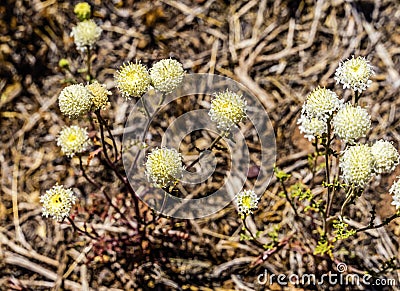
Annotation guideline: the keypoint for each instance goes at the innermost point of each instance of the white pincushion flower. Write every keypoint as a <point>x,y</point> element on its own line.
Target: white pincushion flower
<point>99,95</point>
<point>351,123</point>
<point>132,79</point>
<point>74,101</point>
<point>355,74</point>
<point>246,201</point>
<point>395,191</point>
<point>86,34</point>
<point>386,156</point>
<point>57,202</point>
<point>164,166</point>
<point>321,103</point>
<point>357,164</point>
<point>311,127</point>
<point>73,140</point>
<point>227,109</point>
<point>166,75</point>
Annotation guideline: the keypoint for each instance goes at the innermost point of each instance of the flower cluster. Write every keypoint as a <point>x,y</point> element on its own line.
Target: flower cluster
<point>361,161</point>
<point>395,191</point>
<point>57,202</point>
<point>74,101</point>
<point>227,109</point>
<point>317,110</point>
<point>73,140</point>
<point>311,127</point>
<point>385,155</point>
<point>132,79</point>
<point>321,103</point>
<point>166,75</point>
<point>99,95</point>
<point>86,33</point>
<point>246,202</point>
<point>355,74</point>
<point>164,167</point>
<point>357,164</point>
<point>351,123</point>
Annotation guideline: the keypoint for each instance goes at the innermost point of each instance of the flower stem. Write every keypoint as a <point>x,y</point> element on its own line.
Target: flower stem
<point>251,234</point>
<point>85,232</point>
<point>85,175</point>
<point>215,141</point>
<point>349,195</point>
<point>327,177</point>
<point>385,222</point>
<point>133,166</point>
<point>88,64</point>
<point>108,198</point>
<point>288,198</point>
<point>357,97</point>
<point>124,180</point>
<point>101,120</point>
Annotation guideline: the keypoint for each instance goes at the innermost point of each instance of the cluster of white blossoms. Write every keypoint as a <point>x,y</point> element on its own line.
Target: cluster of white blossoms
<point>227,109</point>
<point>99,95</point>
<point>164,167</point>
<point>360,162</point>
<point>321,103</point>
<point>386,156</point>
<point>74,101</point>
<point>57,202</point>
<point>246,202</point>
<point>357,164</point>
<point>351,123</point>
<point>395,191</point>
<point>86,33</point>
<point>311,127</point>
<point>134,80</point>
<point>73,140</point>
<point>166,75</point>
<point>355,74</point>
<point>318,108</point>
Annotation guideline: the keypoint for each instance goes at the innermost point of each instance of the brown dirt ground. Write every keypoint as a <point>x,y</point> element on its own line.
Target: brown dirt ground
<point>279,49</point>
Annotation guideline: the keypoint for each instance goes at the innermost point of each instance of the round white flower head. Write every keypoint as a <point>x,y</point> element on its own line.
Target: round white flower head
<point>395,191</point>
<point>351,123</point>
<point>74,101</point>
<point>386,156</point>
<point>99,95</point>
<point>73,140</point>
<point>357,164</point>
<point>321,103</point>
<point>246,201</point>
<point>354,74</point>
<point>311,127</point>
<point>86,34</point>
<point>166,75</point>
<point>57,202</point>
<point>132,79</point>
<point>227,109</point>
<point>164,167</point>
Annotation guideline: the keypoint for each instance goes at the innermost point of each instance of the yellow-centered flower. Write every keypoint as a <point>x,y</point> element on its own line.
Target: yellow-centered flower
<point>57,202</point>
